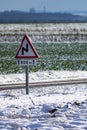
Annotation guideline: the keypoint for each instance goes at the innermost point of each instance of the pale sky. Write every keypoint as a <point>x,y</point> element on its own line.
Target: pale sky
<point>50,5</point>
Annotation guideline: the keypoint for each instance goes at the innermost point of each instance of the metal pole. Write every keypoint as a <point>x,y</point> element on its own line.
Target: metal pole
<point>27,80</point>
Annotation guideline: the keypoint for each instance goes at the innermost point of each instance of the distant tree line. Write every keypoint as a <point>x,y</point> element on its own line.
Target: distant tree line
<point>41,17</point>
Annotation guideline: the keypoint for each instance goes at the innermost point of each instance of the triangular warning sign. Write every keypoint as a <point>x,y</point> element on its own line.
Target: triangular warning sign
<point>26,50</point>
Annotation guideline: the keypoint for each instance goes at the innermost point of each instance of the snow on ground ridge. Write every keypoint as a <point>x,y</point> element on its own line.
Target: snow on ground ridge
<point>43,76</point>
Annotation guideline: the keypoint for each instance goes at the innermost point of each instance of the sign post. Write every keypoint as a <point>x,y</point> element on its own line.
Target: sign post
<point>27,79</point>
<point>25,57</point>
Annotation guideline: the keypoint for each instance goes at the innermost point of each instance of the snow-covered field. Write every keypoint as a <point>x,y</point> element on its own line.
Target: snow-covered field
<point>48,33</point>
<point>50,108</point>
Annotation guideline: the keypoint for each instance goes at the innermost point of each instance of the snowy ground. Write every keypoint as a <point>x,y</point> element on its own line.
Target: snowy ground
<point>43,76</point>
<point>50,108</point>
<point>44,33</point>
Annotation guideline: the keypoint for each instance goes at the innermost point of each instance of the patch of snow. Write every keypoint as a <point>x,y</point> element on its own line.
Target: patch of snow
<point>64,109</point>
<point>43,76</point>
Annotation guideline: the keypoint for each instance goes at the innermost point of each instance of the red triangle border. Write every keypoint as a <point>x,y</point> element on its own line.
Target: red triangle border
<point>33,49</point>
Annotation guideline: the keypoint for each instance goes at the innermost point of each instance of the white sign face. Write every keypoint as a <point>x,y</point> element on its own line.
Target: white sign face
<point>26,50</point>
<point>23,62</point>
